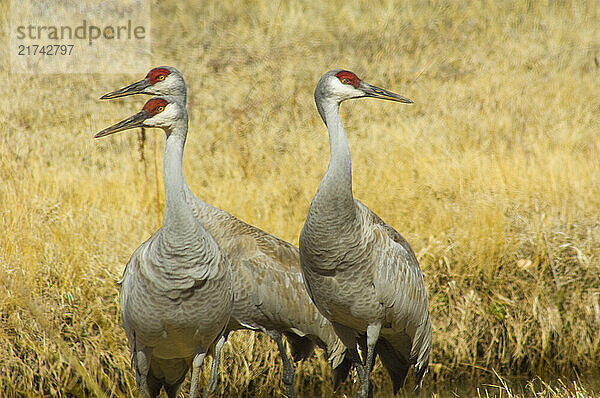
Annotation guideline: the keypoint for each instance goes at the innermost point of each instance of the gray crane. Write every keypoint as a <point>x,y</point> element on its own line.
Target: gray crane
<point>269,292</point>
<point>361,274</point>
<point>176,292</point>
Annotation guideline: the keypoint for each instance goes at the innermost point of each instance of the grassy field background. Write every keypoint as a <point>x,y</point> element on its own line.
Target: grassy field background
<point>492,175</point>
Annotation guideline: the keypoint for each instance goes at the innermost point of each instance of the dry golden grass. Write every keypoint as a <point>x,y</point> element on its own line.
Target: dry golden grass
<point>493,176</point>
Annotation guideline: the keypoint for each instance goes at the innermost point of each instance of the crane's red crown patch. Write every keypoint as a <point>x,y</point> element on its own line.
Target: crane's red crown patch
<point>155,106</point>
<point>157,74</point>
<point>347,77</point>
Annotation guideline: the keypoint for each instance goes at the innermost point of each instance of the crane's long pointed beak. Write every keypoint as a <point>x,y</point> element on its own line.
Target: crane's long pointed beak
<point>135,88</point>
<point>376,92</point>
<point>136,120</point>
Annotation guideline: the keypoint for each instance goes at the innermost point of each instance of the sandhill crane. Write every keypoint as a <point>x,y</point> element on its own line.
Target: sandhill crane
<point>163,80</point>
<point>269,292</point>
<point>176,292</point>
<point>362,275</point>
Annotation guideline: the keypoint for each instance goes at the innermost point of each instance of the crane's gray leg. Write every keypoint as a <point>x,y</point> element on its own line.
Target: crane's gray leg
<point>288,369</point>
<point>372,337</point>
<point>196,364</point>
<point>214,369</point>
<point>348,338</point>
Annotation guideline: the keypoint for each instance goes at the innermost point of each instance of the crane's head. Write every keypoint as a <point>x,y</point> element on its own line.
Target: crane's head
<point>164,80</point>
<point>162,112</point>
<point>340,85</point>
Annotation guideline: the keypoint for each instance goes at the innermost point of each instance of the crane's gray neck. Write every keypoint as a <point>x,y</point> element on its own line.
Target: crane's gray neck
<point>181,96</point>
<point>177,213</point>
<point>177,90</point>
<point>335,190</point>
<point>180,91</point>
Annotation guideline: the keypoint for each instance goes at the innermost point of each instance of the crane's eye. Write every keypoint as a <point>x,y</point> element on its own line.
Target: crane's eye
<point>160,108</point>
<point>344,80</point>
<point>161,77</point>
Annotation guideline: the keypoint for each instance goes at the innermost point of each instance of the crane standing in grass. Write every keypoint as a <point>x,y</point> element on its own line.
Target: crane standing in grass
<point>362,275</point>
<point>269,292</point>
<point>176,292</point>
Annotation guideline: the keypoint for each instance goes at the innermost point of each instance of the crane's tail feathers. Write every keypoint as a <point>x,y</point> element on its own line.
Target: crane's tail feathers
<point>419,375</point>
<point>339,374</point>
<point>154,385</point>
<point>172,390</point>
<point>337,353</point>
<point>395,364</point>
<point>169,374</point>
<point>300,347</point>
<point>339,360</point>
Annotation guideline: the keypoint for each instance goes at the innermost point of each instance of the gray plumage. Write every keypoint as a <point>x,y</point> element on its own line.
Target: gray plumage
<point>362,275</point>
<point>176,291</point>
<point>269,293</point>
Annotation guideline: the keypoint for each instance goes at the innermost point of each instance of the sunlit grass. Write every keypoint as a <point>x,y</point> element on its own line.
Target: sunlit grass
<point>492,175</point>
